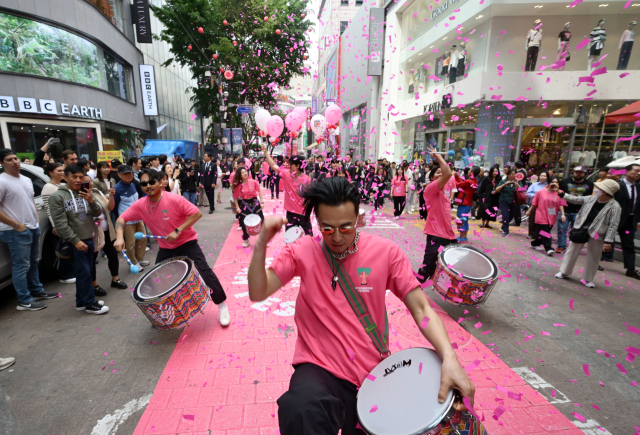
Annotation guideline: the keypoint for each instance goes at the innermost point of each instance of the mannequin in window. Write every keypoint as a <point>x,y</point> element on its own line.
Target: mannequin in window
<point>626,44</point>
<point>563,55</point>
<point>534,41</point>
<point>597,37</point>
<point>453,65</point>
<point>411,82</point>
<point>445,66</point>
<point>463,61</point>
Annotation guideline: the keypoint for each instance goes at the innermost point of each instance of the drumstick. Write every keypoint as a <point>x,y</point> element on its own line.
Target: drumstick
<point>139,236</point>
<point>134,268</point>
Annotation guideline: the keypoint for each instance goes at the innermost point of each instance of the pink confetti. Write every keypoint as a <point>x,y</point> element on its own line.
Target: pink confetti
<point>633,329</point>
<point>189,417</point>
<point>467,403</point>
<point>621,368</point>
<point>578,416</point>
<point>420,369</point>
<point>571,304</point>
<point>473,365</point>
<point>545,333</point>
<point>424,322</point>
<point>374,408</point>
<point>585,367</point>
<point>371,377</point>
<point>478,325</point>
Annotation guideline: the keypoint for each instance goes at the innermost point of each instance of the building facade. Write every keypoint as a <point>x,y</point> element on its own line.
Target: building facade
<point>71,69</point>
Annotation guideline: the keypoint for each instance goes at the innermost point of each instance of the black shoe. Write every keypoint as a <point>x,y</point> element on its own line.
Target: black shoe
<point>600,268</point>
<point>633,274</point>
<point>210,211</point>
<point>45,295</point>
<point>96,308</point>
<point>119,284</point>
<point>422,278</point>
<point>99,291</point>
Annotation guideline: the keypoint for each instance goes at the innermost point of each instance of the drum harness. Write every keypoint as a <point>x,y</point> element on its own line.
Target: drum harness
<point>340,276</point>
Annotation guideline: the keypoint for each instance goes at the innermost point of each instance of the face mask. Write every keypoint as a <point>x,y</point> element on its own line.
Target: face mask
<point>598,192</point>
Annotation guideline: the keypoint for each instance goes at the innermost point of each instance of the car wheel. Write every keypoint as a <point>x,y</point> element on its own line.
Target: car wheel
<point>47,269</point>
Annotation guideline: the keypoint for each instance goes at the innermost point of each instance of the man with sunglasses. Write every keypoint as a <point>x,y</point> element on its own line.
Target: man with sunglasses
<point>334,353</point>
<point>293,178</point>
<point>174,216</point>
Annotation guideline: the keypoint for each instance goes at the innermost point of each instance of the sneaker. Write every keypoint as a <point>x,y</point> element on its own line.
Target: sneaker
<point>82,307</point>
<point>239,228</point>
<point>119,284</point>
<point>600,268</point>
<point>96,309</point>
<point>68,281</point>
<point>529,237</point>
<point>246,244</point>
<point>45,295</point>
<point>560,250</point>
<point>560,275</point>
<point>146,249</point>
<point>223,315</point>
<point>99,291</point>
<point>5,363</point>
<point>504,234</point>
<point>589,284</point>
<point>550,252</point>
<point>32,306</point>
<point>539,248</point>
<point>144,263</point>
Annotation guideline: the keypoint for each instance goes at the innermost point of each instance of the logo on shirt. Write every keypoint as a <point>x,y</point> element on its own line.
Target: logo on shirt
<point>396,366</point>
<point>363,273</point>
<point>165,215</point>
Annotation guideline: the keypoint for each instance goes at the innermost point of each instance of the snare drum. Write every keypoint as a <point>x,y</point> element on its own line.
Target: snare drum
<point>171,293</point>
<point>464,275</point>
<point>293,234</point>
<point>400,395</point>
<point>362,221</point>
<point>253,224</point>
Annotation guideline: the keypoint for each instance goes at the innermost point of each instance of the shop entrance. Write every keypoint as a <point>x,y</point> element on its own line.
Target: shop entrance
<point>545,148</point>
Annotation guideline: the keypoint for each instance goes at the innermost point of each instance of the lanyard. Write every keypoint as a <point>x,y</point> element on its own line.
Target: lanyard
<point>86,208</point>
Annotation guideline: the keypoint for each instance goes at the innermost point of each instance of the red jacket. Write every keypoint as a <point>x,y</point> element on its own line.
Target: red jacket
<point>466,190</point>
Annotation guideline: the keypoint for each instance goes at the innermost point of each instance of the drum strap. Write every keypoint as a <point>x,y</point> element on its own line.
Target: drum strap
<point>359,307</point>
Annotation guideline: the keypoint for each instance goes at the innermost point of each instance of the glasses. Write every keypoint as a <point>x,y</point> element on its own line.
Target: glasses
<point>147,183</point>
<point>344,230</point>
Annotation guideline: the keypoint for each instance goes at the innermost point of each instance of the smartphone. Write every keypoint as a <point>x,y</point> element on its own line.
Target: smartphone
<point>55,141</point>
<point>84,186</point>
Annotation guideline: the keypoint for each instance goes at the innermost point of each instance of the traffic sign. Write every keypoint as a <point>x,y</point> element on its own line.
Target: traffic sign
<point>244,110</point>
<point>519,176</point>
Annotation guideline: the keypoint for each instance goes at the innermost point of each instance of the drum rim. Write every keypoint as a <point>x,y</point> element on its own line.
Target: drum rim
<point>445,412</point>
<point>190,267</point>
<point>248,216</point>
<point>289,229</point>
<point>493,276</point>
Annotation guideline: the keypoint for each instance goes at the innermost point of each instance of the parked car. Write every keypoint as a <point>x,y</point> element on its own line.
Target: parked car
<point>48,269</point>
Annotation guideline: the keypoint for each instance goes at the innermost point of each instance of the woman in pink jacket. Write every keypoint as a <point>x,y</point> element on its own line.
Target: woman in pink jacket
<point>399,192</point>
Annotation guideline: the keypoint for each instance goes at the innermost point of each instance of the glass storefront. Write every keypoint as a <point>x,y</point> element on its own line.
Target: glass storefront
<point>31,47</point>
<point>112,9</point>
<point>26,139</point>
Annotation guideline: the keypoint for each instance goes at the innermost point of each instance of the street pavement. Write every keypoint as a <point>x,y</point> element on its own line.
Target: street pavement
<point>114,374</point>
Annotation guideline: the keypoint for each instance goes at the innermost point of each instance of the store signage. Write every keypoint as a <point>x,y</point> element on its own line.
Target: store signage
<point>107,156</point>
<point>47,107</point>
<point>439,9</point>
<point>142,19</point>
<point>244,109</point>
<point>439,105</point>
<point>376,41</point>
<point>149,97</point>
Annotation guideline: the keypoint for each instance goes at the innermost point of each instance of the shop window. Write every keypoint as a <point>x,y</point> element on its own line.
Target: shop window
<point>118,77</point>
<point>112,9</point>
<point>26,139</point>
<point>344,2</point>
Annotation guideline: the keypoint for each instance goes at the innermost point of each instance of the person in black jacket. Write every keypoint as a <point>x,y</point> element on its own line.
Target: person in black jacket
<point>189,182</point>
<point>627,197</point>
<point>208,178</point>
<point>488,201</point>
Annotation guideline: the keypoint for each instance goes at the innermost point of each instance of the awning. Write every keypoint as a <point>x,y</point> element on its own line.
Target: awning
<point>631,113</point>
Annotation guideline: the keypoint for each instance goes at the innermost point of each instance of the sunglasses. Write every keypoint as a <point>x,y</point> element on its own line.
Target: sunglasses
<point>147,183</point>
<point>344,230</point>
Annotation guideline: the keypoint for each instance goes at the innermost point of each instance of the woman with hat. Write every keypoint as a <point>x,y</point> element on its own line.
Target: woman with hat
<point>596,226</point>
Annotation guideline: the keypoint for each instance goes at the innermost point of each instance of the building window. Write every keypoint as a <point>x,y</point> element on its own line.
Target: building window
<point>344,2</point>
<point>112,9</point>
<point>26,139</point>
<point>31,47</point>
<point>359,2</point>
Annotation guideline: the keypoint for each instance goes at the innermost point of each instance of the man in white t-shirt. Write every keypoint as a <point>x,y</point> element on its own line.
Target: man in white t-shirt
<point>20,230</point>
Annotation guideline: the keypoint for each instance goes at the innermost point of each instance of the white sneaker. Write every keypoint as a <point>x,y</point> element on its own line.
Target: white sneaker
<point>223,315</point>
<point>560,275</point>
<point>6,362</point>
<point>589,284</point>
<point>68,281</point>
<point>550,252</point>
<point>144,263</point>
<point>246,244</point>
<point>239,228</point>
<point>146,249</point>
<point>539,248</point>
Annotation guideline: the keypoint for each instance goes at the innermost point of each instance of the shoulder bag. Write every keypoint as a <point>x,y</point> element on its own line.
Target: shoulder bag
<point>579,235</point>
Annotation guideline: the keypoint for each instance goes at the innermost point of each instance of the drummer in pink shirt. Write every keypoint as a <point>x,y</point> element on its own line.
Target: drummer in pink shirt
<point>437,196</point>
<point>245,195</point>
<point>170,214</point>
<point>334,353</point>
<point>293,179</point>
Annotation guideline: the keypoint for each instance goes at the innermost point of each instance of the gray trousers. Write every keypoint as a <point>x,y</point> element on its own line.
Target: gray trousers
<point>594,252</point>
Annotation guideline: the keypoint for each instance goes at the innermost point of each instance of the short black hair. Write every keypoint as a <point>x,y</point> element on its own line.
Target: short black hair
<point>630,167</point>
<point>519,164</point>
<point>333,191</point>
<point>152,158</point>
<point>209,154</point>
<point>153,175</point>
<point>50,167</point>
<point>115,163</point>
<point>4,152</point>
<point>605,169</point>
<point>83,162</point>
<point>67,153</point>
<point>163,158</point>
<point>132,160</point>
<point>296,160</point>
<point>74,169</point>
<point>475,171</point>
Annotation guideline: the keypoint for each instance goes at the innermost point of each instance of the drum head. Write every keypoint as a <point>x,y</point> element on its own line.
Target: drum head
<point>162,279</point>
<point>252,220</point>
<point>362,212</point>
<point>404,394</point>
<point>472,264</point>
<point>293,234</point>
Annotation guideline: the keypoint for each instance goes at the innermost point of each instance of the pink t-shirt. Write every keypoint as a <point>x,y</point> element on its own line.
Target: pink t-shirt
<point>329,333</point>
<point>547,207</point>
<point>171,212</point>
<point>247,191</point>
<point>292,201</point>
<point>438,203</point>
<point>399,186</point>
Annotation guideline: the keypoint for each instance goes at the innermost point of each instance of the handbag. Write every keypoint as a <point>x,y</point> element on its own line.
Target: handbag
<point>64,249</point>
<point>98,239</point>
<point>521,197</point>
<point>579,235</point>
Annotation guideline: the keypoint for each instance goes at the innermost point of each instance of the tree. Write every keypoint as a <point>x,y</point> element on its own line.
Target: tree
<point>248,45</point>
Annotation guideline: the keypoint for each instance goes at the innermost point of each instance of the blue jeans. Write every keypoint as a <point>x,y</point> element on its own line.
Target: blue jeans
<point>463,210</point>
<point>508,212</point>
<point>25,254</point>
<point>85,295</point>
<point>192,197</point>
<point>563,228</point>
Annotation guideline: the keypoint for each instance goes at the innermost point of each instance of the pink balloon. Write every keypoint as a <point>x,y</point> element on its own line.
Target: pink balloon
<point>292,121</point>
<point>333,114</point>
<point>275,126</point>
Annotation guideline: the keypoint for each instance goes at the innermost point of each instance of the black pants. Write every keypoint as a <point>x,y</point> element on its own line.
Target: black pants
<point>543,240</point>
<point>533,226</point>
<point>192,250</point>
<point>112,257</point>
<point>398,204</point>
<point>318,403</point>
<point>248,207</point>
<point>509,211</point>
<point>626,242</point>
<point>275,183</point>
<point>431,255</point>
<point>379,199</point>
<point>299,220</point>
<point>211,192</point>
<point>532,58</point>
<point>452,74</point>
<point>423,205</point>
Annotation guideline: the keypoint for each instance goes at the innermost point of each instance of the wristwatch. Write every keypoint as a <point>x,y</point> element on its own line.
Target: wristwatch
<point>177,231</point>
